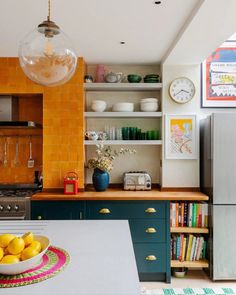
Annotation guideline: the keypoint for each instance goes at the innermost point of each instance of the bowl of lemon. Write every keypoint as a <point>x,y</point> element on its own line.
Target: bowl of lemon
<point>21,253</point>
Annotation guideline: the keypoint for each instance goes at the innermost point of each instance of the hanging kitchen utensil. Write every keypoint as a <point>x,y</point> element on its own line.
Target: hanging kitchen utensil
<point>30,161</point>
<point>16,159</point>
<point>5,162</point>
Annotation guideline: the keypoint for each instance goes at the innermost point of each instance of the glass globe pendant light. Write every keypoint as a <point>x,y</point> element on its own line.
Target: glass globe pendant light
<point>46,54</point>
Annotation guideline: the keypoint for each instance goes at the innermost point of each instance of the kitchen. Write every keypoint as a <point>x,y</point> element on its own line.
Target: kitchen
<point>58,147</point>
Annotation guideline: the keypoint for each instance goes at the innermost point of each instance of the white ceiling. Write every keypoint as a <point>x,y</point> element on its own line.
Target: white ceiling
<point>96,27</point>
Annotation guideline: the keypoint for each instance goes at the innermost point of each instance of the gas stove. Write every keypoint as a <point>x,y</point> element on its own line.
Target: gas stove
<point>15,201</point>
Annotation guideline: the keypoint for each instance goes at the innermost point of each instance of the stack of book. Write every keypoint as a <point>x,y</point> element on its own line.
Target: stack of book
<point>188,214</point>
<point>188,247</point>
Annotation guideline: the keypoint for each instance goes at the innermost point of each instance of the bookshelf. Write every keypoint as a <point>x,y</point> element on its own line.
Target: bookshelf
<point>192,264</point>
<point>189,230</point>
<point>186,222</point>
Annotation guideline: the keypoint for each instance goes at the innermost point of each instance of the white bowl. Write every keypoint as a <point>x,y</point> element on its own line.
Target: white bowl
<point>98,105</point>
<point>148,106</point>
<point>19,267</point>
<point>123,107</point>
<point>149,99</point>
<point>97,108</point>
<point>99,102</point>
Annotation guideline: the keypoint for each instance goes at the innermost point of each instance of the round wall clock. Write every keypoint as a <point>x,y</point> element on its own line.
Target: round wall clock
<point>182,90</point>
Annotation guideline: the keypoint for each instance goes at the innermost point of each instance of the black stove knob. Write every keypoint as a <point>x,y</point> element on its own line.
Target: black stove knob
<point>9,207</point>
<point>16,207</point>
<point>1,208</point>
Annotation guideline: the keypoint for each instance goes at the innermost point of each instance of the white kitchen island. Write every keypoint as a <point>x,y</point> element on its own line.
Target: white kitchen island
<point>101,252</point>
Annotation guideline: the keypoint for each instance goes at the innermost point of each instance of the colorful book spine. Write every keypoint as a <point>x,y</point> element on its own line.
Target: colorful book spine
<point>177,214</point>
<point>200,215</point>
<point>194,218</point>
<point>190,214</point>
<point>184,249</point>
<point>192,249</point>
<point>185,214</point>
<point>173,215</point>
<point>181,247</point>
<point>189,247</point>
<point>182,215</point>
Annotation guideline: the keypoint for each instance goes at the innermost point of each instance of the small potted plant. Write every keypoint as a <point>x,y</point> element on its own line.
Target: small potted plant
<point>103,164</point>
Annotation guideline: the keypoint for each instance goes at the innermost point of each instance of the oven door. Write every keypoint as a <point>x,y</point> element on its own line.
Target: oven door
<point>13,217</point>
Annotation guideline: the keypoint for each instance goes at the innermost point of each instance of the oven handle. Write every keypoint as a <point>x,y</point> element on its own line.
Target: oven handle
<point>12,218</point>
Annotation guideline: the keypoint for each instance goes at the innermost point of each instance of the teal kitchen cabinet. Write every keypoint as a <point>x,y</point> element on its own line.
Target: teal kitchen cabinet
<point>57,210</point>
<point>150,230</point>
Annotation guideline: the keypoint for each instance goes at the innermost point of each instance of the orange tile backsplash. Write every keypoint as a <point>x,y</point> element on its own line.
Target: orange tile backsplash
<point>60,149</point>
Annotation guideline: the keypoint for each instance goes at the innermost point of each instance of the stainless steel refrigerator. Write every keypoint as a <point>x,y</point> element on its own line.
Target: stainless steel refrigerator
<point>218,180</point>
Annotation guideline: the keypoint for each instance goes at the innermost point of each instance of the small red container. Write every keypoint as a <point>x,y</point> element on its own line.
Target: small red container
<point>71,183</point>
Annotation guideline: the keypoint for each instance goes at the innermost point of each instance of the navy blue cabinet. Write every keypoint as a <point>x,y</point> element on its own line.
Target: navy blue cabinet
<point>150,231</point>
<point>57,210</point>
<point>149,225</point>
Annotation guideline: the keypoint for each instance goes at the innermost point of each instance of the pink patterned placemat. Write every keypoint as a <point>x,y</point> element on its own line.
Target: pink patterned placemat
<point>52,262</point>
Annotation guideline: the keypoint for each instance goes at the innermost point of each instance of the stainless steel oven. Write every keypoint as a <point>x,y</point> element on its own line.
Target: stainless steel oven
<point>15,201</point>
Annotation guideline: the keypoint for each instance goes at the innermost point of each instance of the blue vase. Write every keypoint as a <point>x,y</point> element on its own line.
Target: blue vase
<point>100,180</point>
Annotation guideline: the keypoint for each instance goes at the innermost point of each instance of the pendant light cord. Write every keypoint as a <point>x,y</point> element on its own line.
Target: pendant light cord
<point>49,10</point>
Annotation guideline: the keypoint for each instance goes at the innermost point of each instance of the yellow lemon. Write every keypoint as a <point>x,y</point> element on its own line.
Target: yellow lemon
<point>5,239</point>
<point>36,245</point>
<point>28,253</point>
<point>28,238</point>
<point>6,251</point>
<point>16,246</point>
<point>9,259</point>
<point>1,253</point>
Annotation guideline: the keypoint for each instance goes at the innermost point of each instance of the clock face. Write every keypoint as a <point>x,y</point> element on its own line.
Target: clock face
<point>182,90</point>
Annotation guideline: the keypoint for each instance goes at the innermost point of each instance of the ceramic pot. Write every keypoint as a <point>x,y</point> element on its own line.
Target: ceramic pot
<point>100,180</point>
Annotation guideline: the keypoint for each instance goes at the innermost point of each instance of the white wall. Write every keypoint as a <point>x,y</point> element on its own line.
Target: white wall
<point>183,173</point>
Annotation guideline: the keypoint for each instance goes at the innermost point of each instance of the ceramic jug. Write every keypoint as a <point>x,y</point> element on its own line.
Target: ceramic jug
<point>114,77</point>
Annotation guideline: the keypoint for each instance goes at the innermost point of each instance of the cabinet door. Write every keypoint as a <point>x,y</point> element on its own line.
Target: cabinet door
<point>57,210</point>
<point>224,241</point>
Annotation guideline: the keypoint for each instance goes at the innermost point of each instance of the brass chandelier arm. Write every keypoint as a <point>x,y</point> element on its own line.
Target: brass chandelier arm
<point>49,10</point>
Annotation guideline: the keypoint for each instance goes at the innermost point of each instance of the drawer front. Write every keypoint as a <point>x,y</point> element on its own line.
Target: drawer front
<point>150,257</point>
<point>125,209</point>
<point>148,231</point>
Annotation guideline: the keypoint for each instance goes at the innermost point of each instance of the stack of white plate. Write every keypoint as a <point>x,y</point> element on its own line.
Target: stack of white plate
<point>123,107</point>
<point>149,104</point>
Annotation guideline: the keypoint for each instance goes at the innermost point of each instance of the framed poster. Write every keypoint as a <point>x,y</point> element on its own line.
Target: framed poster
<point>180,139</point>
<point>219,77</point>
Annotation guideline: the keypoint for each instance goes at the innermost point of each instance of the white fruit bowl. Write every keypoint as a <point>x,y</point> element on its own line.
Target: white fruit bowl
<point>22,266</point>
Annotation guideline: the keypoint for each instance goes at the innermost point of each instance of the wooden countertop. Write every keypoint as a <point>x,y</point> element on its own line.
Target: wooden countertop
<point>120,195</point>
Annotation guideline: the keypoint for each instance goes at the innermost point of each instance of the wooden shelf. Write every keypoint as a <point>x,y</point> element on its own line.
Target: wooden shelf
<point>122,86</point>
<point>191,264</point>
<point>194,230</point>
<point>124,142</point>
<point>123,114</point>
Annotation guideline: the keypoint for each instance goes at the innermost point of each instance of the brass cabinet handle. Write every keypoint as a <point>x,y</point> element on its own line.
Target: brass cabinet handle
<point>39,217</point>
<point>150,210</point>
<point>151,258</point>
<point>104,211</point>
<point>151,230</point>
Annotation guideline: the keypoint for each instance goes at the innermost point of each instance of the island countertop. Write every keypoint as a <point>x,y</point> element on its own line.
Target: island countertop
<point>114,194</point>
<point>102,257</point>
